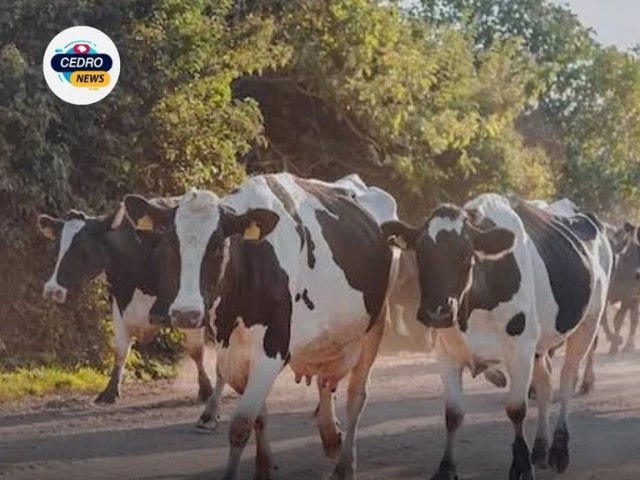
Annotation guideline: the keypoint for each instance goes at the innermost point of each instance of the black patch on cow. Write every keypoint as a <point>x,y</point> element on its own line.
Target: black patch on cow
<point>289,205</point>
<point>494,282</point>
<point>256,289</point>
<point>356,243</point>
<point>311,247</point>
<point>130,265</point>
<point>305,298</point>
<point>625,284</point>
<point>516,325</point>
<point>124,256</point>
<point>307,301</point>
<point>565,260</point>
<point>446,210</point>
<point>581,225</point>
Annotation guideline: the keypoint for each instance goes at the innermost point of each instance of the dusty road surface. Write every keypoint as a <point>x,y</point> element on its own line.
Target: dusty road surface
<point>150,434</point>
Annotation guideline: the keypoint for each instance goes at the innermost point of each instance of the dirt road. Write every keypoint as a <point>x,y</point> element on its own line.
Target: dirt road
<point>150,434</point>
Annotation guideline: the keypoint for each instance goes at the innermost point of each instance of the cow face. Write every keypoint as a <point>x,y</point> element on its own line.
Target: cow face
<point>192,254</point>
<point>447,246</point>
<point>81,253</point>
<point>625,282</point>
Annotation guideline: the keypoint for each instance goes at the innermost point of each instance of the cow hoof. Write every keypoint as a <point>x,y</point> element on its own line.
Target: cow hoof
<point>446,471</point>
<point>559,451</point>
<point>516,474</point>
<point>106,397</point>
<point>521,468</point>
<point>332,445</point>
<point>442,475</point>
<point>266,475</point>
<point>496,377</point>
<point>539,454</point>
<point>343,473</point>
<point>208,422</point>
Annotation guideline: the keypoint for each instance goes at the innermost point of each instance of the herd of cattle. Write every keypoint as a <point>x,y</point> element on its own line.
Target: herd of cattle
<point>306,274</point>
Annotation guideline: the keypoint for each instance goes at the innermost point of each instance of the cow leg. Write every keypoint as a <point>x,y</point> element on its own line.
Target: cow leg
<point>327,422</point>
<point>211,415</point>
<point>617,326</point>
<point>195,349</point>
<point>264,371</point>
<point>123,345</point>
<point>589,378</point>
<point>451,377</point>
<point>542,382</point>
<point>520,369</point>
<point>356,400</point>
<point>264,460</point>
<point>633,316</point>
<point>605,325</point>
<point>578,345</point>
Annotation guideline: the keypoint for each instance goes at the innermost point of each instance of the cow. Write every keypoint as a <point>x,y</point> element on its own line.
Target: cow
<point>88,246</point>
<point>295,273</point>
<point>404,297</point>
<point>625,285</point>
<point>505,282</point>
<point>565,207</point>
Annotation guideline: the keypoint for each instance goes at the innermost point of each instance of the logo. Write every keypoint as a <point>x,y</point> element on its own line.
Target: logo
<point>81,65</point>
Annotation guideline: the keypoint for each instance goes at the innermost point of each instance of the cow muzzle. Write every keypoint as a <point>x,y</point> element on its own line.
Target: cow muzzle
<point>186,317</point>
<point>54,292</point>
<point>441,317</point>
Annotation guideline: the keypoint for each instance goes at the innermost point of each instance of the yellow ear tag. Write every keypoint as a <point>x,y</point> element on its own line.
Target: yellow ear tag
<point>145,223</point>
<point>252,232</point>
<point>49,233</point>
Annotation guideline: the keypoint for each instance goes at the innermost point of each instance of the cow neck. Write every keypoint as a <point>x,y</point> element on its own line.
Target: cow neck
<point>230,292</point>
<point>127,264</point>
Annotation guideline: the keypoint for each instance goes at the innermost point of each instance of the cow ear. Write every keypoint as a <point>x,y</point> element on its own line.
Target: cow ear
<point>492,244</point>
<point>49,226</point>
<point>254,225</point>
<point>146,215</point>
<point>114,219</point>
<point>399,234</point>
<point>628,227</point>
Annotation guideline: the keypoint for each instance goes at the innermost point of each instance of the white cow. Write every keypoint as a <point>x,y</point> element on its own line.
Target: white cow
<point>505,284</point>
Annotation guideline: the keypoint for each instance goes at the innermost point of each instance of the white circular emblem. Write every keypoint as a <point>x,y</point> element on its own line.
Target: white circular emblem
<point>81,65</point>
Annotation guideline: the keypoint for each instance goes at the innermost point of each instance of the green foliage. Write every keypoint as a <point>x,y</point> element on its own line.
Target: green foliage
<point>41,381</point>
<point>170,123</point>
<point>588,99</point>
<point>437,112</point>
<point>434,100</point>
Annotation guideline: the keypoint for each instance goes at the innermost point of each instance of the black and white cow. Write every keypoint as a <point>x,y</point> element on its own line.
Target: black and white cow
<point>505,284</point>
<point>624,291</point>
<point>89,246</point>
<point>296,273</point>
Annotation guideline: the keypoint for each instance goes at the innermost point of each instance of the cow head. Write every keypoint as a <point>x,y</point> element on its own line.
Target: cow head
<point>625,282</point>
<point>192,254</point>
<point>447,245</point>
<point>81,252</point>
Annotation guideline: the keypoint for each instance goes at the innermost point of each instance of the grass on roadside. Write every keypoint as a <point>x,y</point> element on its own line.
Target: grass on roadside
<point>45,380</point>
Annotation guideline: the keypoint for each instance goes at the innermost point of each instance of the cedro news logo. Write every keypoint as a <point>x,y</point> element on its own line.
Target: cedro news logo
<point>81,65</point>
